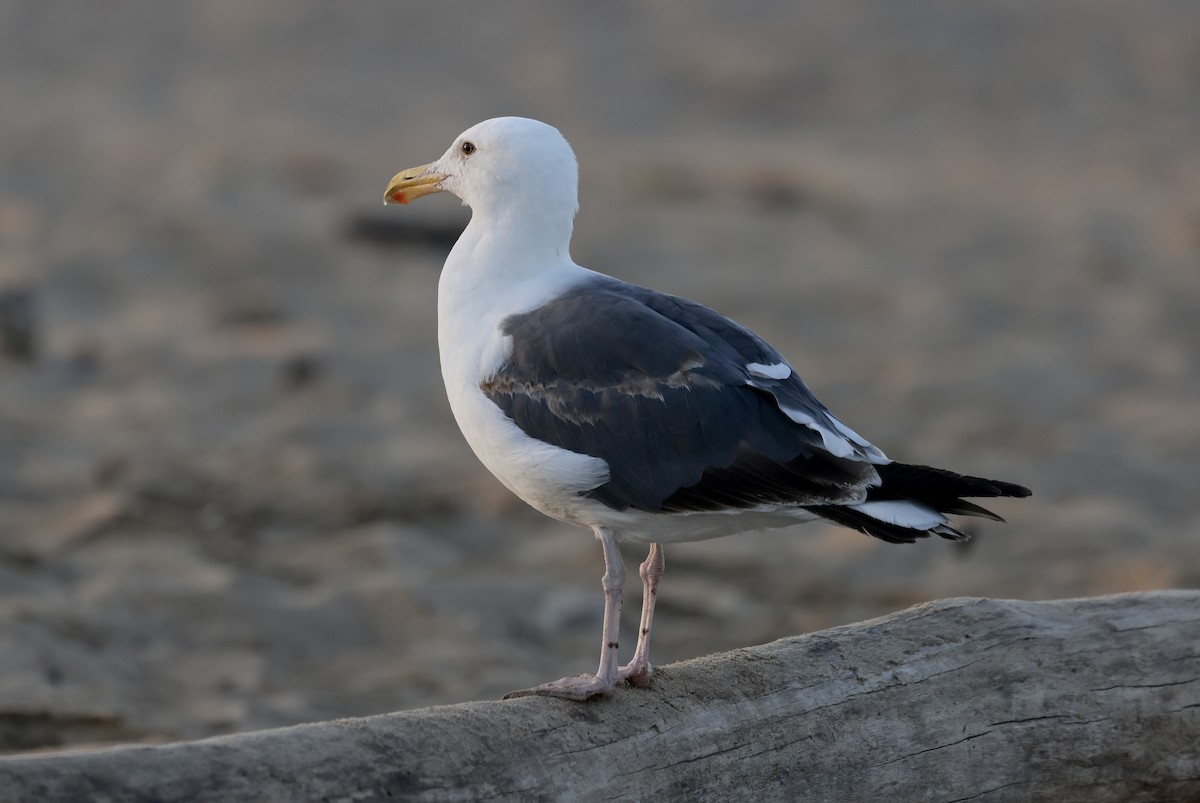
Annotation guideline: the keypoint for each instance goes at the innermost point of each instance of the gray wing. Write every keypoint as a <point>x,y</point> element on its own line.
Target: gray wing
<point>690,411</point>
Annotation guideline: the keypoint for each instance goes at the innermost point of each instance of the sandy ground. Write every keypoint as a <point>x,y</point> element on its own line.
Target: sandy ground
<point>231,493</point>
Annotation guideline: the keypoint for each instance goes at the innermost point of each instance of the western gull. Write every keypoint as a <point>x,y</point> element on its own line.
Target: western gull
<point>642,416</point>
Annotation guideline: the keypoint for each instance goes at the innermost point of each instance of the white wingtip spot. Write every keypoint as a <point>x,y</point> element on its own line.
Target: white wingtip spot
<point>873,452</point>
<point>834,443</point>
<point>777,371</point>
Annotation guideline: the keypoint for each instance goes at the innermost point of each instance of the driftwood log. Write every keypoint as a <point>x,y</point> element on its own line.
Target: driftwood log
<point>963,699</point>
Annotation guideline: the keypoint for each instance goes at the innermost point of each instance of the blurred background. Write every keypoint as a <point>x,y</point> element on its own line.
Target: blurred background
<point>231,492</point>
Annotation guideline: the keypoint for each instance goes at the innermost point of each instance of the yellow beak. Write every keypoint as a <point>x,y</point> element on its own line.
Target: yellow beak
<point>408,185</point>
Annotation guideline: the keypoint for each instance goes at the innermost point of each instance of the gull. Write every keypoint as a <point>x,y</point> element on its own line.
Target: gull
<point>641,416</point>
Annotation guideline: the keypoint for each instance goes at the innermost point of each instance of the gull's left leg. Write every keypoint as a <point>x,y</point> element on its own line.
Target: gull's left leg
<point>583,687</point>
<point>637,672</point>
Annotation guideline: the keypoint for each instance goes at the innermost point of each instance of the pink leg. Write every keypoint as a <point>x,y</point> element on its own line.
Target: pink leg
<point>583,687</point>
<point>637,672</point>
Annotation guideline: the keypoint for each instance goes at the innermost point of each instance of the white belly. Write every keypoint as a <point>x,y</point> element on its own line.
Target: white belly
<point>545,476</point>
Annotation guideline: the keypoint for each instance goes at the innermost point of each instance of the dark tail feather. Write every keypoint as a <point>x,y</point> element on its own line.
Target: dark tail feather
<point>937,488</point>
<point>965,508</point>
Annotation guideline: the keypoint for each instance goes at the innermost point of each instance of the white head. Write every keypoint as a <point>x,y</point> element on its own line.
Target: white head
<point>504,167</point>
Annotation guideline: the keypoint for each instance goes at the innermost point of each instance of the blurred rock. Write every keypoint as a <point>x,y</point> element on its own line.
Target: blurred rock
<point>251,304</point>
<point>19,324</point>
<point>300,371</point>
<point>395,232</point>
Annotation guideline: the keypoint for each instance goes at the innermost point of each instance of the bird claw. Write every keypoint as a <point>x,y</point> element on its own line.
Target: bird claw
<point>637,674</point>
<point>578,688</point>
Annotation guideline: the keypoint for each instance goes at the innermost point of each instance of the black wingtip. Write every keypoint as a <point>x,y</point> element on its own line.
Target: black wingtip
<point>902,480</point>
<point>1017,490</point>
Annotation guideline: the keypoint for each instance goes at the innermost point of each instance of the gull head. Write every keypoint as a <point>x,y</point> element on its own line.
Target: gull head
<point>497,166</point>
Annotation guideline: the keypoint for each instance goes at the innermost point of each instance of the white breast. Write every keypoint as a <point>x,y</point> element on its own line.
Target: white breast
<point>473,348</point>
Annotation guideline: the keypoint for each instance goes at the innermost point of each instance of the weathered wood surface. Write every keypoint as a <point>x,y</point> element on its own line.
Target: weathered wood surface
<point>962,699</point>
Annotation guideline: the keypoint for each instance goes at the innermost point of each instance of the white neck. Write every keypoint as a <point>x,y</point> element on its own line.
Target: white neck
<point>500,266</point>
<point>522,236</point>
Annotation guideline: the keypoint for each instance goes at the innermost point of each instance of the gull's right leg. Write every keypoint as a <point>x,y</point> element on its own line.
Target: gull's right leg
<point>583,687</point>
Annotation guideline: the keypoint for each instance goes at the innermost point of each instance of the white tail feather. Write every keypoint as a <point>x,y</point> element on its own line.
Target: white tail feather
<point>903,513</point>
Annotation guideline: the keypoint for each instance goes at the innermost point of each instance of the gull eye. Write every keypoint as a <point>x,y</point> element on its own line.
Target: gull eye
<point>467,148</point>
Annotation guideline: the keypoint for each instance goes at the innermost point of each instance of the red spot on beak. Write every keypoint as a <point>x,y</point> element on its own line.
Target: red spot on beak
<point>398,197</point>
